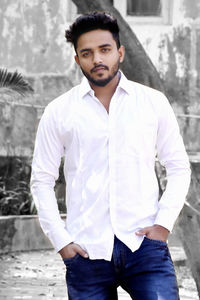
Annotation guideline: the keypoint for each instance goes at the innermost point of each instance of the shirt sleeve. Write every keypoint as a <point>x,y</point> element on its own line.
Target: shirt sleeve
<point>172,155</point>
<point>45,170</point>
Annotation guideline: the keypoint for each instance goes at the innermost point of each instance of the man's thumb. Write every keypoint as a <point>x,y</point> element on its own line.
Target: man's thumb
<point>82,252</point>
<point>141,232</point>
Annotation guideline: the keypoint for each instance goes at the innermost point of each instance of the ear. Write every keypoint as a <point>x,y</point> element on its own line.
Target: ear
<point>121,52</point>
<point>77,59</point>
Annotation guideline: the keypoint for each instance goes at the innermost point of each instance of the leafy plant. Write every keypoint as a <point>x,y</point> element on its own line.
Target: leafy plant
<point>13,82</point>
<point>15,196</point>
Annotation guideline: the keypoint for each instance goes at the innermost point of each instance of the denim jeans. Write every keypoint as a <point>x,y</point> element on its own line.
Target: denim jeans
<point>146,274</point>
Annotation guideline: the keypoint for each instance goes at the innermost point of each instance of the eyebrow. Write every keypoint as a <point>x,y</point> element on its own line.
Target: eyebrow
<point>101,46</point>
<point>105,45</point>
<point>86,49</point>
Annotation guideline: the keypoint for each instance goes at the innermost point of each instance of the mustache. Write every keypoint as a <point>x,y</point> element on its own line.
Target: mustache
<point>99,66</point>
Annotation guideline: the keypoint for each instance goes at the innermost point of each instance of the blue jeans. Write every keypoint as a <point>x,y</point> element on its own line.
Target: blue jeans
<point>146,274</point>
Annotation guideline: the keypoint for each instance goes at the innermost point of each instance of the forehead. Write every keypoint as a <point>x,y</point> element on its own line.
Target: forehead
<point>95,38</point>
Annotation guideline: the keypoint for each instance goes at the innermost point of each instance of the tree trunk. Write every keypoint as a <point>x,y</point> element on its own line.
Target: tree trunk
<point>138,67</point>
<point>189,224</point>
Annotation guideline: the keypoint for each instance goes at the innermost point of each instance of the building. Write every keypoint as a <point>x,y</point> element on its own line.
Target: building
<point>32,41</point>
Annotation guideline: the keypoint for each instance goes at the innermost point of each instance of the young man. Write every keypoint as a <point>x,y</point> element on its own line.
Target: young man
<point>109,130</point>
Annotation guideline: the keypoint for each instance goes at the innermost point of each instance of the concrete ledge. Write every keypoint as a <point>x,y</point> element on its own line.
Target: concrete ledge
<point>22,233</point>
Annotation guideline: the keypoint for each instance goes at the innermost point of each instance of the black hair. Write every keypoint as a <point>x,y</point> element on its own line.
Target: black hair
<point>92,21</point>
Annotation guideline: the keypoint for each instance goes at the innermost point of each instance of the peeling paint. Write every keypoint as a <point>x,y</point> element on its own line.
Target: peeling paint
<point>191,8</point>
<point>32,36</point>
<point>7,233</point>
<point>181,65</point>
<point>32,41</point>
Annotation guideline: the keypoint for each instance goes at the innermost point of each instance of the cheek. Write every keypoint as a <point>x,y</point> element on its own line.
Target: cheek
<point>115,65</point>
<point>85,65</point>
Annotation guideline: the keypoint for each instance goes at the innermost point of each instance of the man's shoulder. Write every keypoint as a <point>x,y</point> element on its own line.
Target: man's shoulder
<point>66,98</point>
<point>148,98</point>
<point>142,88</point>
<point>147,95</point>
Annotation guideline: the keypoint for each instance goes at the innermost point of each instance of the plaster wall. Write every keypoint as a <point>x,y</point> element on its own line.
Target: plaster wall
<point>23,233</point>
<point>32,36</point>
<point>32,41</point>
<point>175,51</point>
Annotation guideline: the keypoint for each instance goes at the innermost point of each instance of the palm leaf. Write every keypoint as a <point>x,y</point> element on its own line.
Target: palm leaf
<point>14,82</point>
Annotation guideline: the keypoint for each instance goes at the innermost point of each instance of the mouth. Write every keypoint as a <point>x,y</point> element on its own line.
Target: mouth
<point>99,69</point>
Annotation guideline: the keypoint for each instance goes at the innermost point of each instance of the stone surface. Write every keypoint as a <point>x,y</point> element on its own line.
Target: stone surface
<point>22,232</point>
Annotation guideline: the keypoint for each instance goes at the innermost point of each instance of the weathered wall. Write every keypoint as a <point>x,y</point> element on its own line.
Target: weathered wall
<point>32,40</point>
<point>23,233</point>
<point>18,125</point>
<point>32,36</point>
<point>179,68</point>
<point>48,86</point>
<point>175,51</point>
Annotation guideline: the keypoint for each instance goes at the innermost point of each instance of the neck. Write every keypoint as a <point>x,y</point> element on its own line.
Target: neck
<point>104,94</point>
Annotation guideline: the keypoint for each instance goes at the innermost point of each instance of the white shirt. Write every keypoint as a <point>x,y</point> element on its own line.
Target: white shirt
<point>111,187</point>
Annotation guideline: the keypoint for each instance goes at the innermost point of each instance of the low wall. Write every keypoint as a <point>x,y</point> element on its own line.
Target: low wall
<point>22,233</point>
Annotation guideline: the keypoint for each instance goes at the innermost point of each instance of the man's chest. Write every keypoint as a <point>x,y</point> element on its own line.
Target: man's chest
<point>128,126</point>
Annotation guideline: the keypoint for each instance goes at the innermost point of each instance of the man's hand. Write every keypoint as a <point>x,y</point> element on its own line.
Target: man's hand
<point>155,232</point>
<point>71,250</point>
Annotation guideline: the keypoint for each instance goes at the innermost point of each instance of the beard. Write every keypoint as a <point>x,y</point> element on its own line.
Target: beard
<point>105,81</point>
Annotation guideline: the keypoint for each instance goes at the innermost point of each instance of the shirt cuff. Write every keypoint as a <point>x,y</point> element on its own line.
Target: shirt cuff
<point>166,218</point>
<point>59,238</point>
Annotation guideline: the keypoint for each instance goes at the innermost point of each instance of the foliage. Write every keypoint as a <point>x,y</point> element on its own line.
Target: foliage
<point>15,196</point>
<point>13,82</point>
<point>17,201</point>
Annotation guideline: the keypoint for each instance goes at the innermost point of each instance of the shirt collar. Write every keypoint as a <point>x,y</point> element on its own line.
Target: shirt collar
<point>85,87</point>
<point>125,84</point>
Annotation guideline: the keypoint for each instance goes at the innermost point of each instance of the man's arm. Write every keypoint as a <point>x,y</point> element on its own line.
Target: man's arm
<point>171,153</point>
<point>45,170</point>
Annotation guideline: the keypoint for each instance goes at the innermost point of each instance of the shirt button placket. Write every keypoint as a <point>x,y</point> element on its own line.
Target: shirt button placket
<point>111,154</point>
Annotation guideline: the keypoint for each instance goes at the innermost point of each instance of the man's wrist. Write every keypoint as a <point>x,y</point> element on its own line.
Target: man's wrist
<point>161,227</point>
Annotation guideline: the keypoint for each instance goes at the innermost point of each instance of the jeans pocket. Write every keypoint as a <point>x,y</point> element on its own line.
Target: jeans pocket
<point>69,260</point>
<point>156,242</point>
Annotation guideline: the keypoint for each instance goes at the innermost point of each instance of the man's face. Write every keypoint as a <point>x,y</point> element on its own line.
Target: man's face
<point>98,56</point>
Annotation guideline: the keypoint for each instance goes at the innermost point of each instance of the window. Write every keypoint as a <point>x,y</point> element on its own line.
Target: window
<point>145,11</point>
<point>143,7</point>
<point>135,11</point>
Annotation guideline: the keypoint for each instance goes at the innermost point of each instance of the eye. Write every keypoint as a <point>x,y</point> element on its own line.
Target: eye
<point>85,54</point>
<point>105,50</point>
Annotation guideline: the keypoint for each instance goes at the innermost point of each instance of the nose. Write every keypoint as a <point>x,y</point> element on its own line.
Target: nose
<point>97,59</point>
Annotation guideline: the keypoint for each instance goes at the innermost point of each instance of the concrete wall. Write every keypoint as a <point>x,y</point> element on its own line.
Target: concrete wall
<point>32,36</point>
<point>22,233</point>
<point>17,133</point>
<point>175,51</point>
<point>32,41</point>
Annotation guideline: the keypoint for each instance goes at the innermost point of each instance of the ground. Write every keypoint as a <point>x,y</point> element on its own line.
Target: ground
<point>40,275</point>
